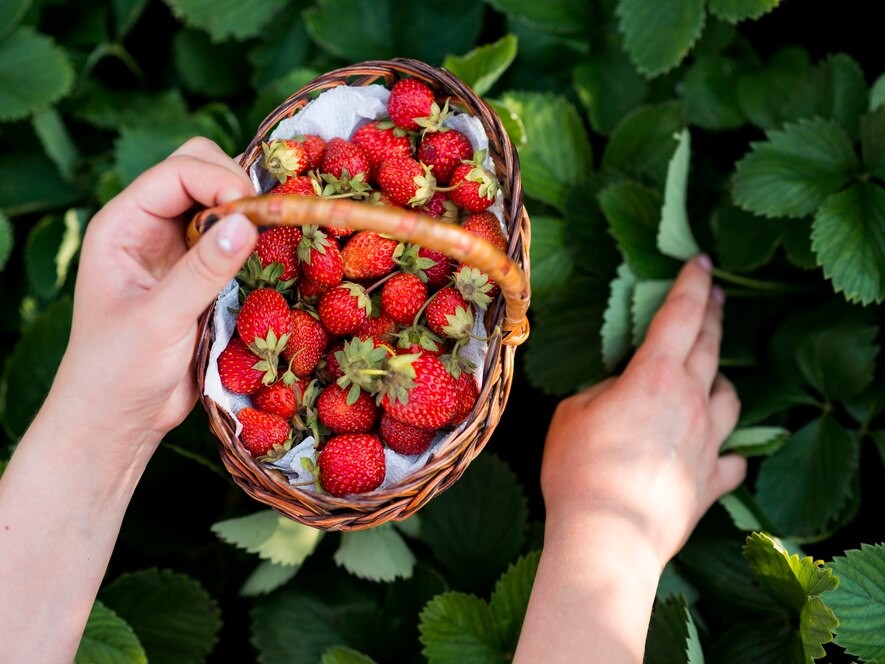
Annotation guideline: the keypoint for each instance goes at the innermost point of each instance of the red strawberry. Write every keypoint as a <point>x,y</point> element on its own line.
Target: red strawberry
<point>402,297</point>
<point>368,255</point>
<point>333,368</point>
<point>441,207</point>
<point>338,231</point>
<point>486,226</point>
<point>241,371</point>
<point>475,285</point>
<point>263,434</point>
<point>467,393</point>
<point>279,398</point>
<point>382,140</point>
<point>403,438</point>
<point>320,257</point>
<point>306,344</point>
<point>381,327</point>
<point>418,339</point>
<point>475,187</point>
<point>343,414</point>
<point>345,166</point>
<point>265,324</point>
<point>284,158</point>
<point>344,308</point>
<point>437,275</point>
<point>412,106</point>
<point>310,290</point>
<point>449,314</point>
<point>302,185</point>
<point>406,181</point>
<point>279,245</point>
<point>351,463</point>
<point>419,391</point>
<point>444,151</point>
<point>316,149</point>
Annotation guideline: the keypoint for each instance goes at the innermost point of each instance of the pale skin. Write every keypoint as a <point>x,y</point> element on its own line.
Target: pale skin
<point>629,467</point>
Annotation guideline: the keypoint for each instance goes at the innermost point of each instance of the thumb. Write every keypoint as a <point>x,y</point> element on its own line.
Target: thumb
<point>197,278</point>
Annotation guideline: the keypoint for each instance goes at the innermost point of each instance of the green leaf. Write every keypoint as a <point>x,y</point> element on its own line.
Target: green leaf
<point>877,93</point>
<point>608,85</point>
<point>633,213</point>
<point>794,171</point>
<point>50,249</point>
<point>641,146</point>
<point>674,233</point>
<point>616,321</point>
<point>108,639</point>
<point>744,241</point>
<point>225,19</point>
<point>351,29</point>
<point>755,441</point>
<point>743,510</point>
<point>859,601</point>
<point>7,239</point>
<point>477,527</point>
<point>872,140</point>
<point>30,183</point>
<point>126,14</point>
<point>551,258</point>
<point>658,34</point>
<point>214,70</point>
<point>761,399</point>
<point>30,369</point>
<point>429,31</point>
<point>760,94</point>
<point>56,141</point>
<point>284,47</point>
<point>772,641</point>
<point>740,10</point>
<point>816,625</point>
<point>648,296</point>
<point>376,554</point>
<point>511,598</point>
<point>563,16</point>
<point>484,65</point>
<point>804,486</point>
<point>267,577</point>
<point>270,535</point>
<point>175,618</point>
<point>556,154</point>
<point>672,582</point>
<point>11,13</point>
<point>458,628</point>
<point>342,655</point>
<point>510,120</point>
<point>672,635</point>
<point>709,94</point>
<point>34,73</point>
<point>797,244</point>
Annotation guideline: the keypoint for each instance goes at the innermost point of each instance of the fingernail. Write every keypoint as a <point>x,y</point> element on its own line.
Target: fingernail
<point>233,233</point>
<point>705,262</point>
<point>718,295</point>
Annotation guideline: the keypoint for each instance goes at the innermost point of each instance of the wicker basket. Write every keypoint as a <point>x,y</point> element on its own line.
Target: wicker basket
<point>508,312</point>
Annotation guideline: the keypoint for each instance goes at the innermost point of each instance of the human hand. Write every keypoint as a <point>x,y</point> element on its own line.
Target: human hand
<point>127,370</point>
<point>644,447</point>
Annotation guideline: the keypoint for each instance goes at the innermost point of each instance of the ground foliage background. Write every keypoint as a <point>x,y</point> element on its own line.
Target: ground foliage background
<point>647,130</point>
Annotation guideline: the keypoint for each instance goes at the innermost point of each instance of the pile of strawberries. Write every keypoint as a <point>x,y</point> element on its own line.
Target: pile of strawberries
<point>355,338</point>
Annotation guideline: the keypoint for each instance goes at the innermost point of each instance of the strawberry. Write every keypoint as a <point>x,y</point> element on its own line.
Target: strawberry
<point>440,206</point>
<point>332,370</point>
<point>351,463</point>
<point>382,140</point>
<point>467,392</point>
<point>449,314</point>
<point>338,231</point>
<point>474,286</point>
<point>344,308</point>
<point>306,343</point>
<point>265,435</point>
<point>418,390</point>
<point>486,225</point>
<point>316,149</point>
<point>418,339</point>
<point>403,438</point>
<point>311,290</point>
<point>265,324</point>
<point>320,257</point>
<point>345,167</point>
<point>241,371</point>
<point>280,399</point>
<point>368,255</point>
<point>284,158</point>
<point>341,414</point>
<point>380,327</point>
<point>360,363</point>
<point>444,151</point>
<point>406,181</point>
<point>475,187</point>
<point>279,245</point>
<point>402,297</point>
<point>302,185</point>
<point>432,267</point>
<point>412,106</point>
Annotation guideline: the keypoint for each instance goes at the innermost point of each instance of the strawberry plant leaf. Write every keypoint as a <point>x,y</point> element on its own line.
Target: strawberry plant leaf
<point>859,601</point>
<point>510,120</point>
<point>351,29</point>
<point>771,641</point>
<point>456,627</point>
<point>283,48</point>
<point>108,638</point>
<point>56,141</point>
<point>760,399</point>
<point>816,625</point>
<point>484,65</point>
<point>674,232</point>
<point>658,34</point>
<point>11,13</point>
<point>477,527</point>
<point>271,536</point>
<point>744,511</point>
<point>877,93</point>
<point>429,31</point>
<point>511,598</point>
<point>709,94</point>
<point>126,15</point>
<point>342,655</point>
<point>760,93</point>
<point>267,577</point>
<point>551,257</point>
<point>175,619</point>
<point>804,486</point>
<point>641,146</point>
<point>616,320</point>
<point>744,241</point>
<point>755,441</point>
<point>648,296</point>
<point>214,70</point>
<point>6,240</point>
<point>34,73</point>
<point>794,171</point>
<point>672,582</point>
<point>227,19</point>
<point>376,554</point>
<point>872,140</point>
<point>797,244</point>
<point>557,153</point>
<point>50,249</point>
<point>672,635</point>
<point>561,16</point>
<point>30,184</point>
<point>741,10</point>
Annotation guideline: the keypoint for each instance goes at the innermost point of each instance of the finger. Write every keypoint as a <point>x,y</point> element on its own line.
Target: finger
<point>676,325</point>
<point>703,359</point>
<point>730,472</point>
<point>587,395</point>
<point>725,407</point>
<point>197,278</point>
<point>206,150</point>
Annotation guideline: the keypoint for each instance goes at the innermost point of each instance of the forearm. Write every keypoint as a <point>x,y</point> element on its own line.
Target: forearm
<point>61,506</point>
<point>593,593</point>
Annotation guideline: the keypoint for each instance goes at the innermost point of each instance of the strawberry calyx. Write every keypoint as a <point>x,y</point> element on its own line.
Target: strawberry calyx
<point>456,364</point>
<point>362,366</point>
<point>410,261</point>
<point>459,325</point>
<point>399,378</point>
<point>345,186</point>
<point>425,187</point>
<point>488,185</point>
<point>474,286</point>
<point>434,121</point>
<point>283,161</point>
<point>313,240</point>
<point>253,275</point>
<point>419,335</point>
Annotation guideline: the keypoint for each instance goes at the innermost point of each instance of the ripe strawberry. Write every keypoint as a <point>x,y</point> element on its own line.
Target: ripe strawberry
<point>320,257</point>
<point>264,434</point>
<point>306,343</point>
<point>418,391</point>
<point>338,231</point>
<point>241,371</point>
<point>344,308</point>
<point>412,106</point>
<point>360,363</point>
<point>418,339</point>
<point>341,414</point>
<point>403,438</point>
<point>449,314</point>
<point>382,140</point>
<point>368,255</point>
<point>280,399</point>
<point>265,324</point>
<point>311,290</point>
<point>345,167</point>
<point>406,181</point>
<point>475,187</point>
<point>402,297</point>
<point>332,371</point>
<point>440,206</point>
<point>486,226</point>
<point>284,158</point>
<point>475,285</point>
<point>302,185</point>
<point>444,151</point>
<point>381,327</point>
<point>316,149</point>
<point>351,463</point>
<point>279,245</point>
<point>437,275</point>
<point>467,392</point>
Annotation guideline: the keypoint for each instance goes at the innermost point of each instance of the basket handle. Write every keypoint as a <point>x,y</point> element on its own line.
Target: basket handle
<point>293,210</point>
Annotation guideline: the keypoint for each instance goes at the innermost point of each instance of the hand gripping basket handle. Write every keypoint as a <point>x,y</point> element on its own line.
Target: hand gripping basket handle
<point>290,210</point>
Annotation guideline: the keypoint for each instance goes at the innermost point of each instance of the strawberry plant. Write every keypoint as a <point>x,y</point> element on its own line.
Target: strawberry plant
<point>647,130</point>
